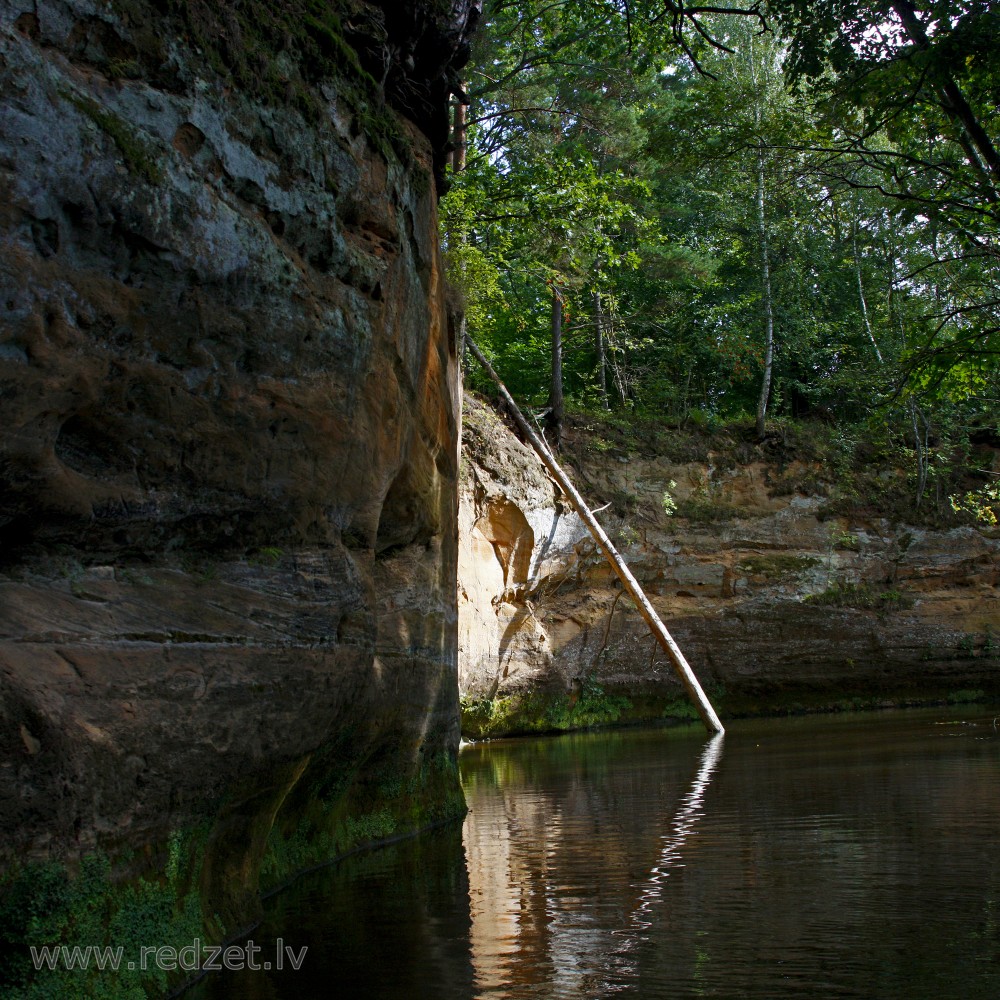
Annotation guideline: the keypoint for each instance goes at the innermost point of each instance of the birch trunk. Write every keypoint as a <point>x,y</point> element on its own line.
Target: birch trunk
<point>861,289</point>
<point>765,276</point>
<point>602,362</point>
<point>557,405</point>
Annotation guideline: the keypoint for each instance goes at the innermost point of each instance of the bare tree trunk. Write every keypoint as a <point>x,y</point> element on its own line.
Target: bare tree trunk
<point>617,376</point>
<point>765,276</point>
<point>765,257</point>
<point>861,287</point>
<point>864,311</point>
<point>680,664</point>
<point>602,361</point>
<point>892,295</point>
<point>557,406</point>
<point>458,135</point>
<point>922,448</point>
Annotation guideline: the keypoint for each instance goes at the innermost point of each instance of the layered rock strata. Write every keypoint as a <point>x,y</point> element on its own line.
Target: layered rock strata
<point>776,605</point>
<point>228,441</point>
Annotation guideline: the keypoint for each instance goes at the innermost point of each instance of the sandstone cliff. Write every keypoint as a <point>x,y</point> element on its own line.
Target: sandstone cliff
<point>228,445</point>
<point>778,603</point>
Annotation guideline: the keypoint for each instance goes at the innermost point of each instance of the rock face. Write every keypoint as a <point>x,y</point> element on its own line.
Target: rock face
<point>776,606</point>
<point>228,437</point>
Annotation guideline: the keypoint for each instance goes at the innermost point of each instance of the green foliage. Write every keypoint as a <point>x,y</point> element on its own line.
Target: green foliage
<point>776,565</point>
<point>543,712</point>
<point>667,501</point>
<point>705,506</point>
<point>355,810</point>
<point>701,509</point>
<point>44,904</point>
<point>983,504</point>
<point>842,539</point>
<point>979,644</point>
<point>269,555</point>
<point>644,187</point>
<point>862,596</point>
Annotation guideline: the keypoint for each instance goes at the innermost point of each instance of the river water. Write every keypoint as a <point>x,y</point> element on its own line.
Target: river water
<point>844,856</point>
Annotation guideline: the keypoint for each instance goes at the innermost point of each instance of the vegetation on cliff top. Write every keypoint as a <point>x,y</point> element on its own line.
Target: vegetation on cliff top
<point>861,469</point>
<point>786,212</point>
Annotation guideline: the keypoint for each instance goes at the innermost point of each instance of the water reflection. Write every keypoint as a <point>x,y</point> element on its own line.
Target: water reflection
<point>815,858</point>
<point>562,873</point>
<point>652,893</point>
<point>688,814</point>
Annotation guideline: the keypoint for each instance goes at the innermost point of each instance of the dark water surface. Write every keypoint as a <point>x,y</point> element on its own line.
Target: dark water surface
<point>847,856</point>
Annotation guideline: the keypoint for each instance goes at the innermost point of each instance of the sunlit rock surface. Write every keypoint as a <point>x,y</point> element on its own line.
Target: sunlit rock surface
<point>776,605</point>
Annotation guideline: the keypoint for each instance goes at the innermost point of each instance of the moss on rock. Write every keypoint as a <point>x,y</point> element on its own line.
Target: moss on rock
<point>276,51</point>
<point>384,801</point>
<point>97,912</point>
<point>139,155</point>
<point>544,711</point>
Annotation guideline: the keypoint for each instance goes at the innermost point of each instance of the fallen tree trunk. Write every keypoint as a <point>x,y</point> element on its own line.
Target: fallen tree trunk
<point>663,637</point>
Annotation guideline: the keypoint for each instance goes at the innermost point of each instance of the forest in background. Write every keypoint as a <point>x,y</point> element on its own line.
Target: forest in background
<point>742,215</point>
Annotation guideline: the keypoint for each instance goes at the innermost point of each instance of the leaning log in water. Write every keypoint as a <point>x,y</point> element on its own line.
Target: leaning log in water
<point>663,637</point>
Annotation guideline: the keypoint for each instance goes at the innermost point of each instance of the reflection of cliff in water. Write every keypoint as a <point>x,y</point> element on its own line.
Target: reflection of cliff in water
<point>530,923</point>
<point>837,857</point>
<point>636,863</point>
